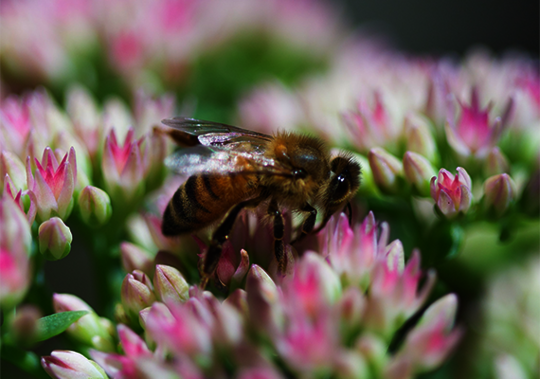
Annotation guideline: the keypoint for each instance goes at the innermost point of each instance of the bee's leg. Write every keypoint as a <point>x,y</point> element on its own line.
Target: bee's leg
<point>279,231</point>
<point>349,208</point>
<point>220,235</point>
<point>309,222</point>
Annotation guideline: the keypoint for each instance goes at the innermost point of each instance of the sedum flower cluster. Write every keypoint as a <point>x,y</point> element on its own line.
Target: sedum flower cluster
<point>335,314</point>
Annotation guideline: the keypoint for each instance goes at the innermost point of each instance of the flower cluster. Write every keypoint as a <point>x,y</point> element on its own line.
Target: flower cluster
<point>411,118</point>
<point>329,315</point>
<point>53,163</point>
<point>140,39</point>
<point>450,157</point>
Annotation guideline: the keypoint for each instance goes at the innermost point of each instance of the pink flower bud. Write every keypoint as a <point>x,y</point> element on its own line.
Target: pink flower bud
<point>499,193</point>
<point>452,194</point>
<point>15,233</point>
<point>179,329</point>
<point>263,301</point>
<point>387,170</point>
<point>496,162</point>
<point>170,285</point>
<point>148,111</point>
<point>53,184</point>
<point>353,251</point>
<point>419,138</point>
<point>85,117</point>
<point>95,206</point>
<point>11,165</point>
<point>25,323</point>
<point>54,239</point>
<point>137,292</point>
<point>63,364</point>
<point>394,294</point>
<point>89,329</point>
<point>14,277</point>
<point>314,285</point>
<point>428,344</point>
<point>11,192</point>
<point>372,125</point>
<point>136,258</point>
<point>418,172</point>
<point>15,123</point>
<point>123,169</point>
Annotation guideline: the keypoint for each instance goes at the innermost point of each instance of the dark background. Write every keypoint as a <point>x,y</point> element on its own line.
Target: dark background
<point>449,27</point>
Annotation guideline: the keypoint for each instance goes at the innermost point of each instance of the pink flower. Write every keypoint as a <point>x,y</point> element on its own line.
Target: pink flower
<point>430,342</point>
<point>179,329</point>
<point>123,168</point>
<point>15,123</point>
<point>372,126</point>
<point>353,251</point>
<point>452,194</point>
<point>14,276</point>
<point>473,133</point>
<point>394,294</point>
<point>53,184</point>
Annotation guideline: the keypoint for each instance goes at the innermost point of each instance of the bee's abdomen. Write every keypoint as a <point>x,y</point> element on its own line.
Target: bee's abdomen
<point>203,199</point>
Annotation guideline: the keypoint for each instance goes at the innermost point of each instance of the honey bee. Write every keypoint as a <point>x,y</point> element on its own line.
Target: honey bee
<point>230,169</point>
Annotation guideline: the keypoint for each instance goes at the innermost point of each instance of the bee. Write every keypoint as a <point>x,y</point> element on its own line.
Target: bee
<point>230,169</point>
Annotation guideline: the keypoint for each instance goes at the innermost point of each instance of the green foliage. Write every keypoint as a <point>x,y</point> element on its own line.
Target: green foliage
<point>52,325</point>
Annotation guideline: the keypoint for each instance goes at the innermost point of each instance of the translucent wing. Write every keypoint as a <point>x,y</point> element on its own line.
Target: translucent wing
<point>201,160</point>
<point>214,134</point>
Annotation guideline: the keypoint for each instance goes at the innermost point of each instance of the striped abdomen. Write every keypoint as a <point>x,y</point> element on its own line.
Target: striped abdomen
<point>203,199</point>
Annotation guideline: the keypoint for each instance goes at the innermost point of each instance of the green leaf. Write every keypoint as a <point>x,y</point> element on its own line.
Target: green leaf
<point>52,325</point>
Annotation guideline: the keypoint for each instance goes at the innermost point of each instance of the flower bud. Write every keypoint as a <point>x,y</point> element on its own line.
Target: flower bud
<point>137,292</point>
<point>262,299</point>
<point>15,233</point>
<point>123,169</point>
<point>170,284</point>
<point>14,258</point>
<point>418,172</point>
<point>499,193</point>
<point>54,239</point>
<point>387,170</point>
<point>63,364</point>
<point>428,344</point>
<point>136,258</point>
<point>452,194</point>
<point>95,206</point>
<point>495,163</point>
<point>11,165</point>
<point>84,114</point>
<point>24,325</point>
<point>419,138</point>
<point>90,329</point>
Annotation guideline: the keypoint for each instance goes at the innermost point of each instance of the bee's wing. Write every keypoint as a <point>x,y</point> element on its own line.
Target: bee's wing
<point>215,134</point>
<point>205,160</point>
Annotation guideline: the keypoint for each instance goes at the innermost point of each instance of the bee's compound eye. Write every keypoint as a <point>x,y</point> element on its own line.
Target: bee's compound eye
<point>340,187</point>
<point>299,174</point>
